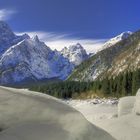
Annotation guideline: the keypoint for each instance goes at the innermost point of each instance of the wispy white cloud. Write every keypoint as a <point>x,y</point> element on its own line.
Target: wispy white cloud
<point>59,41</point>
<point>6,14</point>
<point>91,45</point>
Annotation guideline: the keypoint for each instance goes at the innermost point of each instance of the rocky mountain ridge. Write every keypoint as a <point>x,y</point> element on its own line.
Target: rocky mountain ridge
<point>75,53</point>
<point>29,59</point>
<point>110,62</point>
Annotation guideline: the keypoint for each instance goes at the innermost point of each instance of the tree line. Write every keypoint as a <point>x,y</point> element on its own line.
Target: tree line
<point>124,84</point>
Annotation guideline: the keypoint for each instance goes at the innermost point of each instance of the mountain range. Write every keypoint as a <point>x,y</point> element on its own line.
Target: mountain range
<point>115,59</point>
<point>26,59</point>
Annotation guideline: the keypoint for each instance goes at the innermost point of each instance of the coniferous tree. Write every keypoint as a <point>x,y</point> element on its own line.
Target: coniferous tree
<point>129,83</point>
<point>135,81</point>
<point>124,85</point>
<point>119,84</point>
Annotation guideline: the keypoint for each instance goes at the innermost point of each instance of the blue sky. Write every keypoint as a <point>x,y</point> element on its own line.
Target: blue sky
<point>64,22</point>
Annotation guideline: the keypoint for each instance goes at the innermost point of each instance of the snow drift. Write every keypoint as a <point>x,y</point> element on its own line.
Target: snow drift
<point>137,103</point>
<point>26,115</point>
<point>126,105</point>
<point>122,121</point>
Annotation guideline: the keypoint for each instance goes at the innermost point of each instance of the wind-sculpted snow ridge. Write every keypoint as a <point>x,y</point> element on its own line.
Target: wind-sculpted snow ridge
<point>26,115</point>
<point>126,105</point>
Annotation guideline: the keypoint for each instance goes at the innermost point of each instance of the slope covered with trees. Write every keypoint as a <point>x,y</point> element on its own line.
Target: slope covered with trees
<point>110,62</point>
<point>123,85</point>
<point>112,72</point>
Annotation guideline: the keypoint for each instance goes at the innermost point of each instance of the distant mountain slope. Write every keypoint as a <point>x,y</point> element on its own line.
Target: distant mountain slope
<point>75,53</point>
<point>28,59</point>
<point>32,59</point>
<point>118,58</point>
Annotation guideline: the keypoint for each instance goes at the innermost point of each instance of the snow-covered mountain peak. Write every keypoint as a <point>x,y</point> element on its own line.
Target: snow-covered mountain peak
<point>36,39</point>
<point>76,47</point>
<point>116,39</point>
<point>75,53</point>
<point>25,36</point>
<point>8,38</point>
<point>123,35</point>
<point>32,59</point>
<point>23,59</point>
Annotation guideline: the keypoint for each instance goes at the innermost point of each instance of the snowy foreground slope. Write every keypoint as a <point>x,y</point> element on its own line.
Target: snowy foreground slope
<point>26,115</point>
<point>122,121</point>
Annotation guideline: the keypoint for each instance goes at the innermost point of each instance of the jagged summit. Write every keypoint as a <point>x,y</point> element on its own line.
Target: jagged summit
<point>75,53</point>
<point>8,38</point>
<point>35,38</point>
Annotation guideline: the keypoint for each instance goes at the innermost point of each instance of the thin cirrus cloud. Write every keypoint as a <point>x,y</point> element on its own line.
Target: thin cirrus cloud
<point>6,14</point>
<point>59,41</point>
